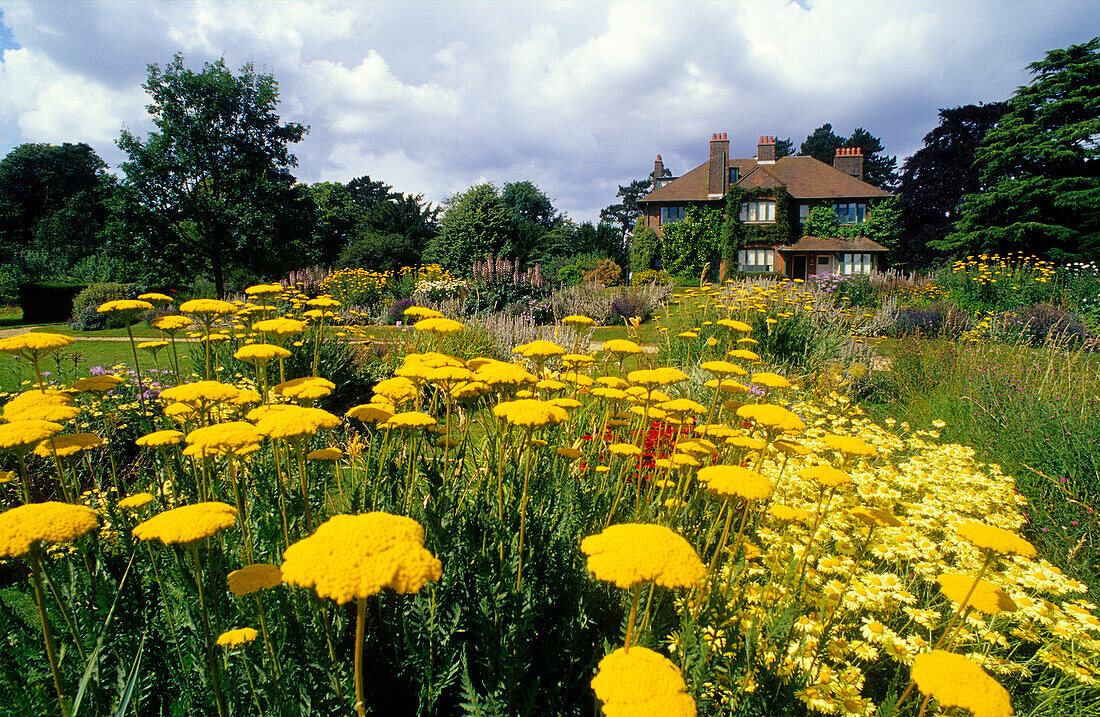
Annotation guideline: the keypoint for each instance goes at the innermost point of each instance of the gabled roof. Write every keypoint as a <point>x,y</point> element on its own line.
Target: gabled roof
<point>835,244</point>
<point>804,178</point>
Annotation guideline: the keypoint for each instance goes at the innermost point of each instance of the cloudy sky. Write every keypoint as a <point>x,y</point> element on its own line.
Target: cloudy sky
<point>578,97</point>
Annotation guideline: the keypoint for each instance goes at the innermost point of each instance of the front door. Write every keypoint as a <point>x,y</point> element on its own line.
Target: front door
<point>798,266</point>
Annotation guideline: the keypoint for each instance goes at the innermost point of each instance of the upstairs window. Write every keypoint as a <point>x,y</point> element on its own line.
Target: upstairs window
<point>754,260</point>
<point>735,174</point>
<point>850,212</point>
<point>761,210</point>
<point>672,214</point>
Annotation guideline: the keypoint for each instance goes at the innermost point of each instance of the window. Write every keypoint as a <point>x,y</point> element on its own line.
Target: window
<point>856,264</point>
<point>672,214</point>
<point>754,260</point>
<point>823,260</point>
<point>850,213</point>
<point>761,210</point>
<point>735,174</point>
<point>803,212</point>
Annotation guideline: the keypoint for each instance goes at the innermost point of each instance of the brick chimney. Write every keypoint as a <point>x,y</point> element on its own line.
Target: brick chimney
<point>660,174</point>
<point>765,150</point>
<point>717,174</point>
<point>850,161</point>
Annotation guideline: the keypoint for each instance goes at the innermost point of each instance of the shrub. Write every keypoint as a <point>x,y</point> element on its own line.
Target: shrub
<point>651,276</point>
<point>628,306</point>
<point>585,299</point>
<point>607,272</point>
<point>1039,323</point>
<point>356,287</point>
<point>942,318</point>
<point>84,316</point>
<point>396,312</point>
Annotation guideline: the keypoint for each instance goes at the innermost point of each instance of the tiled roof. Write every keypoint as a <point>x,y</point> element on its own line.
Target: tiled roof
<point>835,244</point>
<point>804,177</point>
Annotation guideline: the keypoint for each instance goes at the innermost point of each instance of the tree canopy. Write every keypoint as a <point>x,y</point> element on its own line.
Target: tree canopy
<point>878,169</point>
<point>937,176</point>
<point>212,187</point>
<point>1040,166</point>
<point>624,214</point>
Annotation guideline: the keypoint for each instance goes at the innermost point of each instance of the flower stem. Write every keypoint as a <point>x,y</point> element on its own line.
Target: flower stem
<point>51,655</point>
<point>633,617</point>
<point>360,623</point>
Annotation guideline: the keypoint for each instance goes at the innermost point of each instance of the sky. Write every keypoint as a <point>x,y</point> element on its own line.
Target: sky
<point>577,97</point>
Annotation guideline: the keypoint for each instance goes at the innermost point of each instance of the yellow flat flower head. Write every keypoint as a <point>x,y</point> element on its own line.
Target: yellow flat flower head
<point>200,392</point>
<point>723,368</point>
<point>234,437</point>
<point>578,321</point>
<point>280,327</point>
<point>156,299</point>
<point>743,354</point>
<point>957,681</point>
<point>422,312</point>
<point>663,376</point>
<point>734,325</point>
<point>787,512</point>
<point>160,439</point>
<point>849,445</point>
<point>135,501</point>
<point>171,324</point>
<point>875,517</point>
<point>208,308</point>
<point>68,445</point>
<point>236,638</point>
<point>22,435</point>
<point>49,522</point>
<point>529,413</point>
<point>187,524</point>
<point>252,578</point>
<point>124,306</point>
<point>736,481</point>
<point>772,416</point>
<point>439,326</point>
<point>539,349</point>
<point>999,540</point>
<point>97,384</point>
<point>986,597</point>
<point>325,454</point>
<point>260,354</point>
<point>369,413</point>
<point>409,419</point>
<point>34,344</point>
<point>641,682</point>
<point>635,553</point>
<point>264,291</point>
<point>826,475</point>
<point>622,346</point>
<point>771,380</point>
<point>351,557</point>
<point>295,421</point>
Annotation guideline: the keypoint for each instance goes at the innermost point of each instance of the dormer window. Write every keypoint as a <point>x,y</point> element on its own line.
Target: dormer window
<point>735,174</point>
<point>760,210</point>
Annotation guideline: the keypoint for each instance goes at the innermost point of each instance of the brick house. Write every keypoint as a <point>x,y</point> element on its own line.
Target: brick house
<point>773,240</point>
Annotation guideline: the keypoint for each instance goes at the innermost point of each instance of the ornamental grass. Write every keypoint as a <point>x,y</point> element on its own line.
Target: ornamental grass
<point>710,529</point>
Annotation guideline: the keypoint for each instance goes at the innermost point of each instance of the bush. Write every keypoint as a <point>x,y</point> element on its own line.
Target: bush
<point>942,318</point>
<point>651,276</point>
<point>607,272</point>
<point>396,312</point>
<point>630,306</point>
<point>48,301</point>
<point>1038,323</point>
<point>90,299</point>
<point>572,271</point>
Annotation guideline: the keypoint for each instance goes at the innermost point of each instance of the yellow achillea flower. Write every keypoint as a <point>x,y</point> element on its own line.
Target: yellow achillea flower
<point>409,419</point>
<point>97,384</point>
<point>771,380</point>
<point>663,376</point>
<point>753,444</point>
<point>171,324</point>
<point>539,349</point>
<point>49,522</point>
<point>153,346</point>
<point>849,444</point>
<point>635,553</point>
<point>956,681</point>
<point>160,439</point>
<point>325,454</point>
<point>624,449</point>
<point>439,326</point>
<point>280,327</point>
<point>422,312</point>
<point>136,500</point>
<point>22,435</point>
<point>640,683</point>
<point>324,302</point>
<point>397,390</point>
<point>985,597</point>
<point>226,438</point>
<point>743,354</point>
<point>734,325</point>
<point>787,512</point>
<point>771,416</point>
<point>621,346</point>
<point>529,412</point>
<point>188,523</point>
<point>208,307</point>
<point>156,299</point>
<point>355,556</point>
<point>295,422</point>
<point>729,481</point>
<point>200,392</point>
<point>34,344</point>
<point>875,517</point>
<point>260,353</point>
<point>44,406</point>
<point>569,453</point>
<point>308,388</point>
<point>826,475</point>
<point>578,321</point>
<point>262,291</point>
<point>723,368</point>
<point>68,445</point>
<point>565,402</point>
<point>369,413</point>
<point>124,306</point>
<point>611,394</point>
<point>682,405</point>
<point>236,638</point>
<point>999,540</point>
<point>251,578</point>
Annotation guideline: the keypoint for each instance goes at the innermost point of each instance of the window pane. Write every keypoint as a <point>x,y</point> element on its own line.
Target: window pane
<point>744,212</point>
<point>771,211</point>
<point>770,259</point>
<point>861,212</point>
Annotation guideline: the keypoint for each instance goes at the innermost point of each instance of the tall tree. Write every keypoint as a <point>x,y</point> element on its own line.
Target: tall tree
<point>625,213</point>
<point>475,224</point>
<point>529,203</point>
<point>337,220</point>
<point>209,188</point>
<point>367,192</point>
<point>935,178</point>
<point>53,198</point>
<point>1040,166</point>
<point>783,148</point>
<point>878,169</point>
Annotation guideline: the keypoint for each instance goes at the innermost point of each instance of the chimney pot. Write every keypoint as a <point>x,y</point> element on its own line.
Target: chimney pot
<point>850,161</point>
<point>659,158</point>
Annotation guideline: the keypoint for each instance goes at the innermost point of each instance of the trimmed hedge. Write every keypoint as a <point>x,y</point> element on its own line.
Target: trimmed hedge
<point>48,302</point>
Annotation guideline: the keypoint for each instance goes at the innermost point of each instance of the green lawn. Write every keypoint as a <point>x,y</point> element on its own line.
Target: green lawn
<point>74,362</point>
<point>141,331</point>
